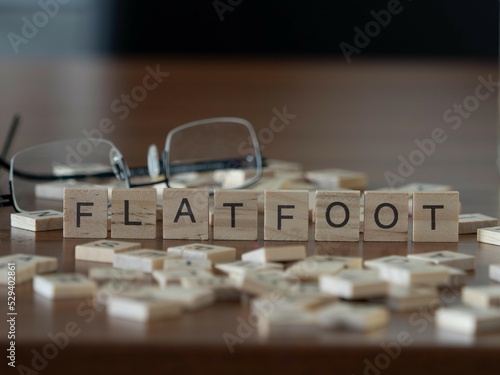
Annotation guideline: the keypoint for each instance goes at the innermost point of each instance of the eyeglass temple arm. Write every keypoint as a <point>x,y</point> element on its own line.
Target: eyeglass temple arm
<point>212,166</point>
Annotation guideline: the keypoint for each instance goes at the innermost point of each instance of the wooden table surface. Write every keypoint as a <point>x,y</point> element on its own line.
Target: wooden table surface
<point>363,116</point>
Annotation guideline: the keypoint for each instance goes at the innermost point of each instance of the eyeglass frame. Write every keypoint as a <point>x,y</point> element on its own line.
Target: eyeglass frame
<point>122,172</point>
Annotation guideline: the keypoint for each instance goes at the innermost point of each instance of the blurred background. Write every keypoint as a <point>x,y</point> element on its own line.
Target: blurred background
<point>345,70</point>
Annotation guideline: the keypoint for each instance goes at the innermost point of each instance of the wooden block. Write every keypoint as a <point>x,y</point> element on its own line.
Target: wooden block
<point>483,296</point>
<point>166,278</point>
<point>435,216</point>
<point>115,288</point>
<point>143,308</point>
<point>386,216</point>
<point>467,320</point>
<point>85,213</point>
<point>354,284</point>
<point>391,259</point>
<point>145,260</point>
<point>216,254</point>
<point>189,263</point>
<point>243,266</point>
<point>337,216</point>
<point>185,214</point>
<point>287,322</point>
<point>24,271</point>
<point>223,287</point>
<point>262,282</point>
<point>404,299</point>
<point>457,278</point>
<point>447,258</point>
<point>410,274</point>
<point>190,298</point>
<point>133,213</point>
<point>470,223</point>
<point>101,274</point>
<point>103,250</point>
<point>43,264</point>
<point>64,286</point>
<point>235,215</point>
<point>276,254</point>
<point>37,221</point>
<point>313,267</point>
<point>489,235</point>
<point>338,178</point>
<point>286,215</point>
<point>353,317</point>
<point>289,303</point>
<point>494,272</point>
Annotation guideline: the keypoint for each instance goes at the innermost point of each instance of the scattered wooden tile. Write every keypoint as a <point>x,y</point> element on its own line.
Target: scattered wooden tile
<point>391,259</point>
<point>406,299</point>
<point>101,274</point>
<point>470,223</point>
<point>189,263</point>
<point>145,260</point>
<point>467,320</point>
<point>190,298</point>
<point>133,213</point>
<point>337,178</point>
<point>103,250</point>
<point>494,272</point>
<point>435,216</point>
<point>337,216</point>
<point>37,221</point>
<point>355,317</point>
<point>143,308</point>
<point>185,214</point>
<point>411,274</point>
<point>223,287</point>
<point>24,271</point>
<point>276,254</point>
<point>286,215</point>
<point>216,254</point>
<point>43,264</point>
<point>85,213</point>
<point>114,288</point>
<point>263,282</point>
<point>173,277</point>
<point>489,235</point>
<point>354,284</point>
<point>457,277</point>
<point>482,296</point>
<point>64,286</point>
<point>235,215</point>
<point>287,322</point>
<point>290,302</point>
<point>386,216</point>
<point>244,266</point>
<point>313,267</point>
<point>447,258</point>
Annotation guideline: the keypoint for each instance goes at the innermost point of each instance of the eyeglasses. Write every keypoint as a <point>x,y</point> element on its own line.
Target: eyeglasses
<point>220,152</point>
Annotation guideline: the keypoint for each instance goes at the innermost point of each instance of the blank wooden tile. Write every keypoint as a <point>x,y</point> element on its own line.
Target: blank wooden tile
<point>169,277</point>
<point>482,296</point>
<point>410,274</point>
<point>447,258</point>
<point>435,216</point>
<point>470,223</point>
<point>489,235</point>
<point>244,266</point>
<point>24,270</point>
<point>494,272</point>
<point>133,213</point>
<point>405,299</point>
<point>37,221</point>
<point>286,215</point>
<point>276,254</point>
<point>43,264</point>
<point>235,215</point>
<point>101,274</point>
<point>467,320</point>
<point>103,250</point>
<point>143,308</point>
<point>338,178</point>
<point>337,216</point>
<point>189,263</point>
<point>190,298</point>
<point>353,317</point>
<point>85,213</point>
<point>64,286</point>
<point>354,284</point>
<point>145,260</point>
<point>216,254</point>
<point>386,216</point>
<point>185,214</point>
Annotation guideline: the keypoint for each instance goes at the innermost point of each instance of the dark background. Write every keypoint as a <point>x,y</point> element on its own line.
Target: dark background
<point>438,28</point>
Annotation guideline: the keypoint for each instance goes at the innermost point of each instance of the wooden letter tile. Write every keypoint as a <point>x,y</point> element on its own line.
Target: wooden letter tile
<point>143,307</point>
<point>217,254</point>
<point>133,213</point>
<point>235,215</point>
<point>489,235</point>
<point>85,213</point>
<point>484,296</point>
<point>447,258</point>
<point>337,216</point>
<point>103,250</point>
<point>185,214</point>
<point>354,284</point>
<point>386,216</point>
<point>37,221</point>
<point>467,320</point>
<point>286,215</point>
<point>470,223</point>
<point>276,254</point>
<point>435,216</point>
<point>64,286</point>
<point>145,260</point>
